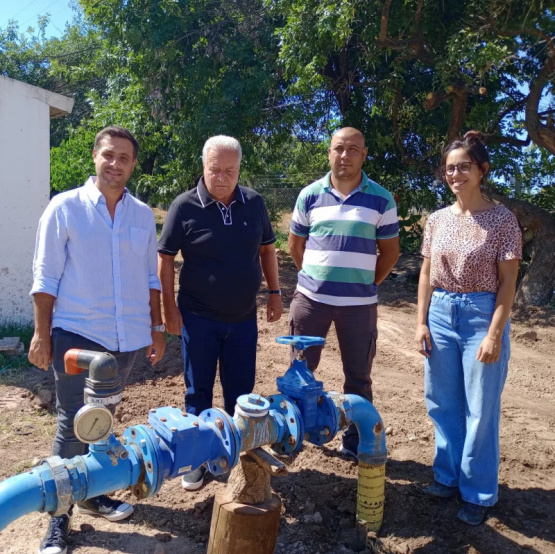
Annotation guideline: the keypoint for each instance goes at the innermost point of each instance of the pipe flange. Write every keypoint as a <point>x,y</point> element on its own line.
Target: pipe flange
<point>144,442</point>
<point>291,418</point>
<point>64,491</point>
<point>327,422</point>
<point>228,439</point>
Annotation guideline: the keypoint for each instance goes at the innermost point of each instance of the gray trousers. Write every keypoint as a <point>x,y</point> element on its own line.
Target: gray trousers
<point>357,332</point>
<point>69,388</point>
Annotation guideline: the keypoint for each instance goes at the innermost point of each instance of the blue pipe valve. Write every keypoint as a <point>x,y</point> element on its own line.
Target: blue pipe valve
<point>318,411</point>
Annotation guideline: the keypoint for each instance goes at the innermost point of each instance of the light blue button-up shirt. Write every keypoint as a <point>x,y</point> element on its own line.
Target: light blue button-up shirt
<point>100,271</point>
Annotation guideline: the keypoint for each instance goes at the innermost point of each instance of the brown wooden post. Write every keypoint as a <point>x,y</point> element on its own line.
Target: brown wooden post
<point>246,515</point>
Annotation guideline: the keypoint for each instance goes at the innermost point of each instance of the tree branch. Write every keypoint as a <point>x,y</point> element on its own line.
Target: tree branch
<point>500,139</point>
<point>542,135</point>
<point>412,48</point>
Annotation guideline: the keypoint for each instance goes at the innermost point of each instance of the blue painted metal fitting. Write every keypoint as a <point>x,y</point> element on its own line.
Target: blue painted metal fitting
<point>192,441</point>
<point>327,422</point>
<point>178,443</point>
<point>301,342</point>
<point>153,455</point>
<point>361,412</point>
<point>299,384</point>
<point>289,420</point>
<point>319,413</point>
<point>222,449</point>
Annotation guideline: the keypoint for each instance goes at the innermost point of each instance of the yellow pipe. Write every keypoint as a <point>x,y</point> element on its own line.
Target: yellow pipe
<point>370,495</point>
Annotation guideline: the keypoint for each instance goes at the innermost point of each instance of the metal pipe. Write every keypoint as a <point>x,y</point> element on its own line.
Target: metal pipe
<point>20,495</point>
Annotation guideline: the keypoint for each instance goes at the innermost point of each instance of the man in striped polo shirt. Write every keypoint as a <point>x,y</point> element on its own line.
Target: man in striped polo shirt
<point>344,239</point>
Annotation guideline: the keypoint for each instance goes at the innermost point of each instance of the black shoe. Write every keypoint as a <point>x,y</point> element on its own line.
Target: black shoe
<point>473,514</point>
<point>102,506</point>
<point>439,490</point>
<point>55,540</point>
<point>194,480</point>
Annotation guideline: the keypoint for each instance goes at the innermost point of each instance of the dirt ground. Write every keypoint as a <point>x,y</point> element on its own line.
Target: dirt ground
<point>320,481</point>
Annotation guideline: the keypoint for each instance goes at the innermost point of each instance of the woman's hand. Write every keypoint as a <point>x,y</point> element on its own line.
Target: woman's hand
<point>489,350</point>
<point>422,339</point>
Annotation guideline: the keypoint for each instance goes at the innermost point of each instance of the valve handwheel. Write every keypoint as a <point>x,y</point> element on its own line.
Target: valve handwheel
<point>301,342</point>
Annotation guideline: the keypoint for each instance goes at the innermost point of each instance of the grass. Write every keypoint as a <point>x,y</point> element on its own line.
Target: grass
<point>12,367</point>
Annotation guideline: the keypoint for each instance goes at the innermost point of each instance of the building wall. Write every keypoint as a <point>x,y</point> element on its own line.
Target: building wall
<point>24,192</point>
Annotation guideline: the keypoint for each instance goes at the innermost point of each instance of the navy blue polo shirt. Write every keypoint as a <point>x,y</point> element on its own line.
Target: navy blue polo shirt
<point>221,272</point>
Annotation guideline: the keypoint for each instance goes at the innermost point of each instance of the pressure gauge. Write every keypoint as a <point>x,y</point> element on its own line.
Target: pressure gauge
<point>93,423</point>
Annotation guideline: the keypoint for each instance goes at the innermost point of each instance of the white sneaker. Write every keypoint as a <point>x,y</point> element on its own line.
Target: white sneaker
<point>194,480</point>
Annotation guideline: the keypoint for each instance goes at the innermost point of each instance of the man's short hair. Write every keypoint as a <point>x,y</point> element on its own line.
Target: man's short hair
<point>221,142</point>
<point>117,131</point>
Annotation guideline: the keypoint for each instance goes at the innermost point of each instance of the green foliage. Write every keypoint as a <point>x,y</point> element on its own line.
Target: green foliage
<point>282,75</point>
<point>281,240</point>
<point>71,163</point>
<point>410,229</point>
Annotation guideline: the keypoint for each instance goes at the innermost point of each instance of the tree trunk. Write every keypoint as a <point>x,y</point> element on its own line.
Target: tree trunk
<point>243,528</point>
<point>246,515</point>
<point>538,284</point>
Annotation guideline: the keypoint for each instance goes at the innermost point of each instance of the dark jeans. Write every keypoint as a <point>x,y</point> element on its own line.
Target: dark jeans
<point>357,332</point>
<point>206,342</point>
<point>69,388</point>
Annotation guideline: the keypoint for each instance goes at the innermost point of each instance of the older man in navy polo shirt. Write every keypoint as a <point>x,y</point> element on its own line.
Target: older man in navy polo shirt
<point>225,236</point>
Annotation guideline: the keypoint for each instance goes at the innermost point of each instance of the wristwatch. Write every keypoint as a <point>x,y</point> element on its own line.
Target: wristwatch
<point>158,328</point>
<point>278,291</point>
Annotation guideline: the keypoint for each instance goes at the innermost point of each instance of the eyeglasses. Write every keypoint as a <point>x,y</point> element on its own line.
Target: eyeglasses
<point>463,167</point>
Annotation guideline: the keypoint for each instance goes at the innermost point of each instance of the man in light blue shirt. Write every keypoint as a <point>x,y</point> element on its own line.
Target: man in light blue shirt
<point>95,287</point>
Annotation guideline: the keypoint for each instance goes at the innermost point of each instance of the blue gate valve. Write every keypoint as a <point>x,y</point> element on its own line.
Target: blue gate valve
<point>318,410</point>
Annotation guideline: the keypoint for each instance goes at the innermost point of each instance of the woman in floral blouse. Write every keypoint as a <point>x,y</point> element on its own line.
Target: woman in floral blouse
<point>471,253</point>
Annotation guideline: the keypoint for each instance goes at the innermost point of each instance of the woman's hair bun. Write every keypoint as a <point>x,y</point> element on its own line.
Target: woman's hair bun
<point>474,135</point>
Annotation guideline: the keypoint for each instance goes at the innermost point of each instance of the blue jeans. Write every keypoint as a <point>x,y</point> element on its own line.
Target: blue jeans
<point>206,342</point>
<point>69,388</point>
<point>463,395</point>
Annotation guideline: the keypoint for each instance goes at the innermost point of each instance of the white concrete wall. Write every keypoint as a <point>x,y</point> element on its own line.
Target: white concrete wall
<point>24,189</point>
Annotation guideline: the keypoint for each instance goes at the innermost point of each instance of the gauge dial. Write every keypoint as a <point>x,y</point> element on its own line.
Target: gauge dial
<point>93,423</point>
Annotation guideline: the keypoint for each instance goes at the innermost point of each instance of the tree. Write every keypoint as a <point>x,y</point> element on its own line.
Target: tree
<point>201,68</point>
<point>412,75</point>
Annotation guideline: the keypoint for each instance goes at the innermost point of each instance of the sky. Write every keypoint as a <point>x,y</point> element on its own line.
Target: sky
<point>25,12</point>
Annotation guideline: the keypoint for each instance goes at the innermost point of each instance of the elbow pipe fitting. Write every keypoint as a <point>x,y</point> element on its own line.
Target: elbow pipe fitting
<point>101,365</point>
<point>361,412</point>
<point>103,384</point>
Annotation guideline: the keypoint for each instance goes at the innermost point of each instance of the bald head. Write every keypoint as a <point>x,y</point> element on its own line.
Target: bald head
<point>348,133</point>
<point>346,155</point>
